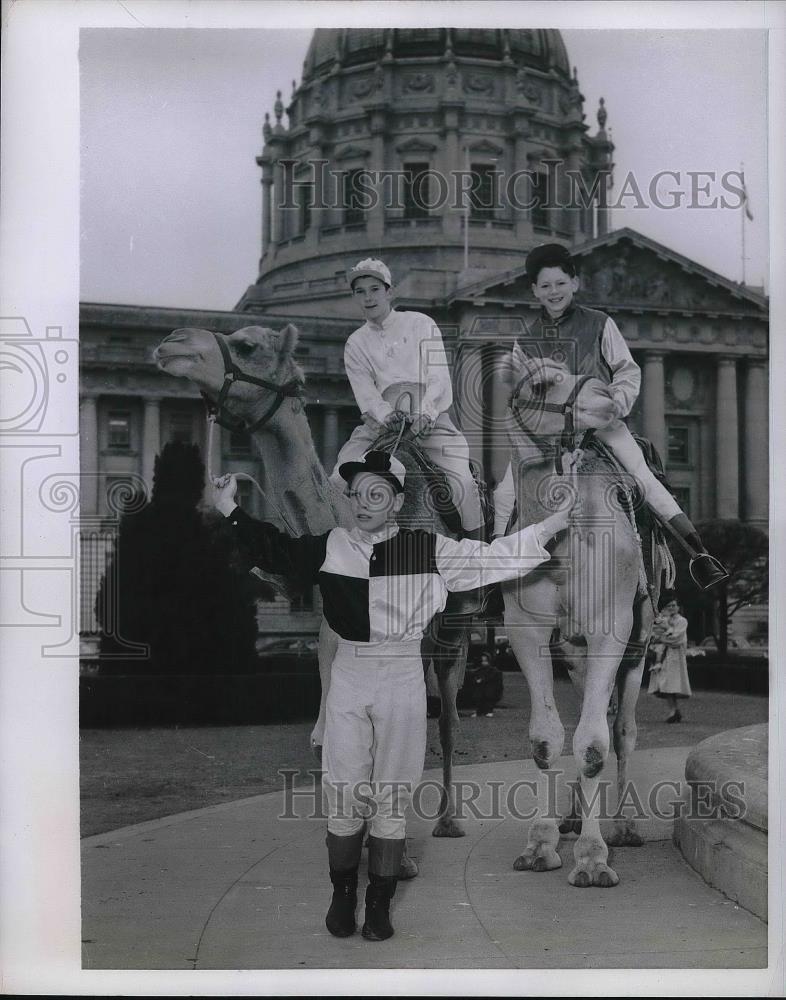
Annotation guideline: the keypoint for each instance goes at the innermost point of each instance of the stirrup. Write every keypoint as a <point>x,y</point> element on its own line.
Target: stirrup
<point>707,571</point>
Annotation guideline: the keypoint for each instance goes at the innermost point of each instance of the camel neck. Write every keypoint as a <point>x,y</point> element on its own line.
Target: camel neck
<point>294,480</point>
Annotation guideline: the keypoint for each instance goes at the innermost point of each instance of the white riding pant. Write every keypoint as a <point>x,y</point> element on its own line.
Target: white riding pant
<point>446,446</point>
<point>375,737</point>
<point>617,436</point>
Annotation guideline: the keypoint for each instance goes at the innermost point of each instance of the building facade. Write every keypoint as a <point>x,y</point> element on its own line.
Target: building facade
<point>382,122</point>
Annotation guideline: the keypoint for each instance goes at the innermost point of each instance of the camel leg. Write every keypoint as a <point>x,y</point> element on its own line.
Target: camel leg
<point>624,832</point>
<point>575,658</point>
<point>449,662</point>
<point>591,749</point>
<point>537,602</point>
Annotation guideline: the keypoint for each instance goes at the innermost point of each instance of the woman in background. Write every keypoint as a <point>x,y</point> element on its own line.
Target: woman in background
<point>669,666</point>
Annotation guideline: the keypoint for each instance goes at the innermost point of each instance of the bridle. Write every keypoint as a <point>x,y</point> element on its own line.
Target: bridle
<point>567,440</point>
<point>217,413</point>
<point>292,388</point>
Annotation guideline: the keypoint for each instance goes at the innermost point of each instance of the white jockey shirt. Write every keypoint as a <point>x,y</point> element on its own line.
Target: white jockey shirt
<point>406,347</point>
<point>387,587</point>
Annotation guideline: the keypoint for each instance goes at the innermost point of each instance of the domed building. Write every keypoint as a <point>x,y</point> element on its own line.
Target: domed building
<point>391,132</point>
<point>449,153</point>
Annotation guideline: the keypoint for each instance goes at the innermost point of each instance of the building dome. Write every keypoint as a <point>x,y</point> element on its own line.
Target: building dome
<point>538,48</point>
<point>377,137</point>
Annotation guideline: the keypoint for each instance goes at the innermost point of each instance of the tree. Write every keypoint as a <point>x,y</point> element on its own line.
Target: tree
<point>743,549</point>
<point>175,583</point>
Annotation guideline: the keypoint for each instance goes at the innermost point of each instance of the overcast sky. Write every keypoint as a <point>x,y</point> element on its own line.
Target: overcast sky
<point>172,121</point>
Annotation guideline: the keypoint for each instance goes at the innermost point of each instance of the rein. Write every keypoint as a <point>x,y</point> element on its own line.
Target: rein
<point>232,373</point>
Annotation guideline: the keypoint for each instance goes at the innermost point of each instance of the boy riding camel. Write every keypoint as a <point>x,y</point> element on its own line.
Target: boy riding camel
<point>590,343</point>
<point>398,355</point>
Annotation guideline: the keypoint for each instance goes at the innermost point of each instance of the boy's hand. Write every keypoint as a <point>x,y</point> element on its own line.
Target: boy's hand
<point>595,407</point>
<point>422,425</point>
<point>224,493</point>
<point>566,493</point>
<point>393,420</point>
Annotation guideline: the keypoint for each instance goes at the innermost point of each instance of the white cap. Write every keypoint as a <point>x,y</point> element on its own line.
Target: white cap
<point>370,268</point>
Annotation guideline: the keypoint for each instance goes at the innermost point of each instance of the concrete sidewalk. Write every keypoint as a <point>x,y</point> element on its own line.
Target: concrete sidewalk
<point>235,887</point>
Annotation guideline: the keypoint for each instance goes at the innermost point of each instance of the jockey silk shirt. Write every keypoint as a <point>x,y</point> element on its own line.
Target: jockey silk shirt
<point>386,587</point>
<point>592,344</point>
<point>407,347</point>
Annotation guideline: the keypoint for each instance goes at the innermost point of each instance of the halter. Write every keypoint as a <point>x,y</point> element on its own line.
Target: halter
<point>232,373</point>
<point>567,441</point>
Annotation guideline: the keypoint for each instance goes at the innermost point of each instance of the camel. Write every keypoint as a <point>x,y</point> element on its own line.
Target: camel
<point>301,498</point>
<point>593,591</point>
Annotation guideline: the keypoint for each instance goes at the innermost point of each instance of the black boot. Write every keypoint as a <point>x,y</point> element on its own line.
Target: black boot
<point>379,892</point>
<point>344,855</point>
<point>705,569</point>
<point>384,862</point>
<point>340,919</point>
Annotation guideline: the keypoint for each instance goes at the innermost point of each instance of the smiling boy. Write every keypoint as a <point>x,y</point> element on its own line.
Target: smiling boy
<point>381,585</point>
<point>590,343</point>
<point>397,353</point>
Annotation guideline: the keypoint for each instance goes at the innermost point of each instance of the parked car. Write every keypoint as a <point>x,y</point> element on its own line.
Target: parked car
<point>738,648</point>
<point>289,654</point>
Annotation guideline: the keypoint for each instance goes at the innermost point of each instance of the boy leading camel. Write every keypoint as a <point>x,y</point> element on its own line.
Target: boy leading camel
<point>381,585</point>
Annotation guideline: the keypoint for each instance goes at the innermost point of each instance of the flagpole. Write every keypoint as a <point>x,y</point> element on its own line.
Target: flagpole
<point>466,214</point>
<point>743,211</point>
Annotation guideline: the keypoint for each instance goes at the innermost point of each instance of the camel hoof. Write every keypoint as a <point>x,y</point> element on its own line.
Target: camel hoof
<point>447,827</point>
<point>580,879</point>
<point>409,868</point>
<point>571,824</point>
<point>549,861</point>
<point>604,880</point>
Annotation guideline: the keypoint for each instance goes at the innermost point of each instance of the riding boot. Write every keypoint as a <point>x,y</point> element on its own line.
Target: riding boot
<point>706,570</point>
<point>384,862</point>
<point>487,601</point>
<point>344,858</point>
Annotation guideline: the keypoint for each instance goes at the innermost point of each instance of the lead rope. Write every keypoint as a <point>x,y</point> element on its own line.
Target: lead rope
<point>211,421</point>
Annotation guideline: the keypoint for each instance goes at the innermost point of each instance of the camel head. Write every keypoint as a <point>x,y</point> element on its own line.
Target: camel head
<point>257,351</point>
<point>532,383</point>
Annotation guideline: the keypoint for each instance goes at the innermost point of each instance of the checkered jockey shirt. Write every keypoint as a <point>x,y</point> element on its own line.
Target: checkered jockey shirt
<point>386,587</point>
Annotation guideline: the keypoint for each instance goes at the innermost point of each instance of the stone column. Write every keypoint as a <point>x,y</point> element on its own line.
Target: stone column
<point>727,475</point>
<point>330,438</point>
<point>267,188</point>
<point>151,439</point>
<point>756,443</point>
<point>376,214</point>
<point>452,159</point>
<point>523,189</point>
<point>278,217</point>
<point>88,455</point>
<point>653,408</point>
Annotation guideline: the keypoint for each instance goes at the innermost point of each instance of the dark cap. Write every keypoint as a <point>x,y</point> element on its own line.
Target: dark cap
<point>378,463</point>
<point>549,255</point>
